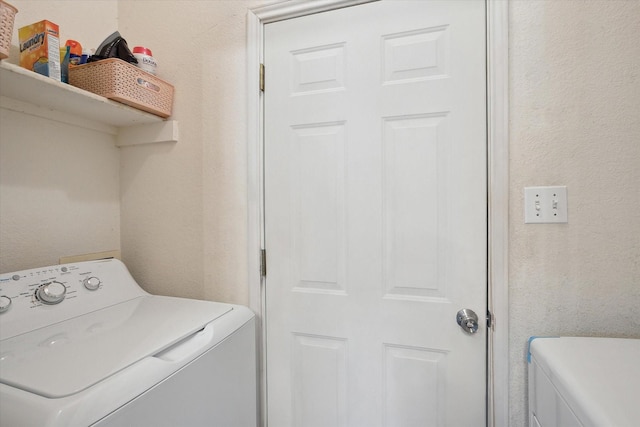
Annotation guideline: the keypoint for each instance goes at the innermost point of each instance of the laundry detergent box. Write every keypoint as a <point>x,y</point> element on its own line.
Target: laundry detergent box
<point>40,48</point>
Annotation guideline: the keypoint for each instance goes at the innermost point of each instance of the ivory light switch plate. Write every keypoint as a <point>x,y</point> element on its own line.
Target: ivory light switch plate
<point>544,205</point>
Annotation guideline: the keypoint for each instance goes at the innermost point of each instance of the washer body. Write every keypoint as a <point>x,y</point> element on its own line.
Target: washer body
<point>583,382</point>
<point>83,345</point>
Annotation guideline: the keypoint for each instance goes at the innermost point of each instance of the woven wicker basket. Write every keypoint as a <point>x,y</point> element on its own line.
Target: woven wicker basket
<point>7,17</point>
<point>116,79</point>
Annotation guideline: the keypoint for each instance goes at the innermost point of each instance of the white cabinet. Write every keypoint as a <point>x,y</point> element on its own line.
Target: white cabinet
<point>30,93</point>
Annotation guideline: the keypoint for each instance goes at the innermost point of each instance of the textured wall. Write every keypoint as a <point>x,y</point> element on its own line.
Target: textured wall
<point>575,121</point>
<point>59,191</point>
<point>59,185</point>
<point>87,21</point>
<point>184,205</point>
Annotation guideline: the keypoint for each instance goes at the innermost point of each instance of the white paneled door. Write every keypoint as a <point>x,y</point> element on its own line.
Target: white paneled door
<point>375,216</point>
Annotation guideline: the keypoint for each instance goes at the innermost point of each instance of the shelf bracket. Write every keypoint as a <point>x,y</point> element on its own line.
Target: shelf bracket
<point>166,131</point>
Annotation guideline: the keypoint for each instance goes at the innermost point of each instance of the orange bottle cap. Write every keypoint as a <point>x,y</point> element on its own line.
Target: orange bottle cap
<point>75,47</point>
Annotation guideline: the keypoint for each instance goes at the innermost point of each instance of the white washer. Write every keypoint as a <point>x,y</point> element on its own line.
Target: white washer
<point>83,345</point>
<point>584,382</point>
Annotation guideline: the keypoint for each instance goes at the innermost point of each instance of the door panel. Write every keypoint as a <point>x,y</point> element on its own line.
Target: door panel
<point>375,215</point>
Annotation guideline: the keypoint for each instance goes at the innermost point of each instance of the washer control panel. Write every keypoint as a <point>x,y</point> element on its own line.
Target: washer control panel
<point>31,299</point>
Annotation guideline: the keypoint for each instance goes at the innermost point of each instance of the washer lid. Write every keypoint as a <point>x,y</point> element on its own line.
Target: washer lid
<point>598,377</point>
<point>68,357</point>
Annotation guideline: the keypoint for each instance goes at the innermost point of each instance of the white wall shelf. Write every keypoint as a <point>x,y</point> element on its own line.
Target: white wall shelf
<point>30,93</point>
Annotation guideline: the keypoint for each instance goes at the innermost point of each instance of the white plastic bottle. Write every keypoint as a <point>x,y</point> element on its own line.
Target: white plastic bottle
<point>145,59</point>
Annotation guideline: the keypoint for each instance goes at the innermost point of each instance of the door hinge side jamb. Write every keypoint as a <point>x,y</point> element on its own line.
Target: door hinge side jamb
<point>489,319</point>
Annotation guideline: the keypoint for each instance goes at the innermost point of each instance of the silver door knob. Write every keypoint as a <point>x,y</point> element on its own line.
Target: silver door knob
<point>468,320</point>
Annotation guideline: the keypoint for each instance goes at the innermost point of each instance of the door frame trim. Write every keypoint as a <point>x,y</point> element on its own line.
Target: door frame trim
<point>498,186</point>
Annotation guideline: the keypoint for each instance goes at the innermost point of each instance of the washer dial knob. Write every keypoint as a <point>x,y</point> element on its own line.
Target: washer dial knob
<point>51,293</point>
<point>5,303</point>
<point>91,283</point>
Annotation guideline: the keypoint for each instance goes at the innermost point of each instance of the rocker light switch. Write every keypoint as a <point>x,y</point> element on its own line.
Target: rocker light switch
<point>545,204</point>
